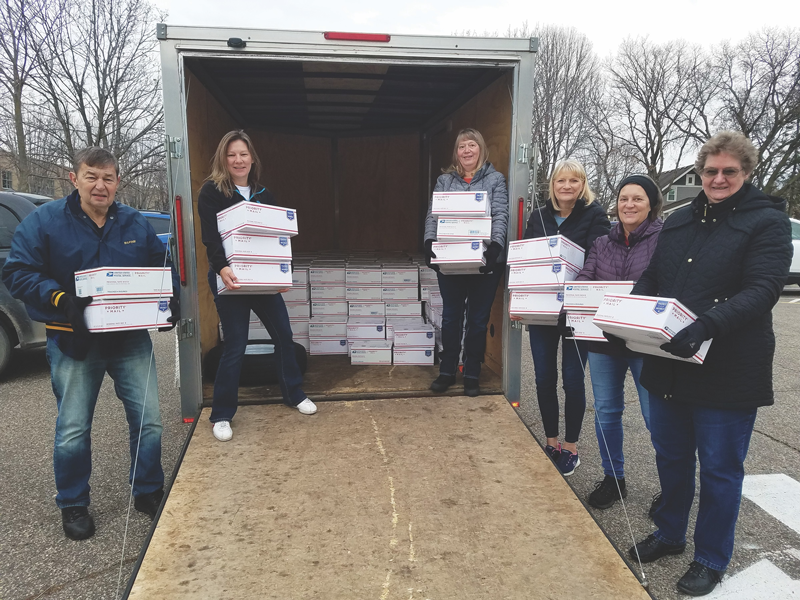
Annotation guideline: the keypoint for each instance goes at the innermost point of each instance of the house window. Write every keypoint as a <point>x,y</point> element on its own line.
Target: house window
<point>690,179</point>
<point>8,183</point>
<point>44,186</point>
<point>671,195</point>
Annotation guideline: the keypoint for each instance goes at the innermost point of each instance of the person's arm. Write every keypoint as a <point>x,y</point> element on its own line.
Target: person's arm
<point>499,211</point>
<point>589,270</point>
<point>207,208</point>
<point>599,226</point>
<point>647,284</point>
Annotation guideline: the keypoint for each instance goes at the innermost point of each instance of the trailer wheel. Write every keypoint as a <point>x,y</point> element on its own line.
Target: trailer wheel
<point>257,369</point>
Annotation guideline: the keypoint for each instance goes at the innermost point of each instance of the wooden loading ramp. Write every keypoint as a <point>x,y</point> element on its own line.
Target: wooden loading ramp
<point>401,499</point>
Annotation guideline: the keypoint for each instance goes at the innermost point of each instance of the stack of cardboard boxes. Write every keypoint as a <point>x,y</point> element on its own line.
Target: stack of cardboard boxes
<point>463,229</point>
<point>581,301</point>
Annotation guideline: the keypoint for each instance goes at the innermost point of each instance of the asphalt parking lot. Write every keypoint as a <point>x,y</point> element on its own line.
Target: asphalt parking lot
<point>38,562</point>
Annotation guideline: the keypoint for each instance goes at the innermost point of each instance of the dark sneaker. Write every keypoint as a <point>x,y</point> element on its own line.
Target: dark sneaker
<point>651,548</point>
<point>654,505</point>
<point>699,580</point>
<point>553,452</point>
<point>149,503</point>
<point>607,492</point>
<point>568,462</point>
<point>78,523</point>
<point>471,387</point>
<point>442,382</point>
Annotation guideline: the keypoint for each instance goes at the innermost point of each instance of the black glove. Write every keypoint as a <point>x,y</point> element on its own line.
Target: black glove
<point>490,256</point>
<point>73,308</point>
<point>687,341</point>
<point>615,341</point>
<point>429,254</point>
<point>563,329</point>
<point>175,309</point>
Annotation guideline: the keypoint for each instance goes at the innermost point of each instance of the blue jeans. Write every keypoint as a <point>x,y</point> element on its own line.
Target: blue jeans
<point>544,347</point>
<point>608,382</point>
<point>234,313</point>
<point>128,359</point>
<point>478,292</point>
<point>721,439</point>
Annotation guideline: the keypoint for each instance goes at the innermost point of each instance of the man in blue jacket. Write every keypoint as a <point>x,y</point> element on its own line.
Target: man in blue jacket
<point>85,230</point>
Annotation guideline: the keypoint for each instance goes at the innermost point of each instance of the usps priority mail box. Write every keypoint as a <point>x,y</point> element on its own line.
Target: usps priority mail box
<point>400,292</point>
<point>124,282</point>
<point>419,336</point>
<point>463,229</point>
<point>358,308</point>
<point>106,315</point>
<point>326,275</point>
<point>251,217</point>
<point>399,276</point>
<point>582,324</point>
<point>258,278</point>
<point>461,204</point>
<point>459,257</point>
<point>555,248</point>
<point>329,308</point>
<point>366,328</point>
<point>298,309</point>
<point>328,346</point>
<point>357,276</point>
<point>413,356</point>
<point>371,352</point>
<point>588,295</point>
<point>404,308</point>
<point>536,307</point>
<point>327,327</point>
<point>540,276</point>
<point>646,321</point>
<point>257,248</point>
<point>328,292</point>
<point>363,292</point>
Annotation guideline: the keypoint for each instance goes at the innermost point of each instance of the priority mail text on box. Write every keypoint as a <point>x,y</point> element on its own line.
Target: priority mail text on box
<point>460,204</point>
<point>120,282</point>
<point>328,346</point>
<point>258,278</point>
<point>537,307</point>
<point>584,327</point>
<point>125,315</point>
<point>251,217</point>
<point>555,248</point>
<point>588,295</point>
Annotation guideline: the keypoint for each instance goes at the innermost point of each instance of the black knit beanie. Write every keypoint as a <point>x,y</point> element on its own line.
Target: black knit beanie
<point>647,184</point>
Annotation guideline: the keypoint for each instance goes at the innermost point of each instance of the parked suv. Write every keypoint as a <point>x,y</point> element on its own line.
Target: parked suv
<point>794,270</point>
<point>16,327</point>
<point>159,219</point>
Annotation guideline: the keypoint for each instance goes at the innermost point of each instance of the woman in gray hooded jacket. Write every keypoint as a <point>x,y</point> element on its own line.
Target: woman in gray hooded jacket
<point>470,171</point>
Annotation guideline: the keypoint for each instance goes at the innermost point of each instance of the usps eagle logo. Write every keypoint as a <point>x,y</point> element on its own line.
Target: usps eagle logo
<point>110,274</point>
<point>479,196</point>
<point>163,305</point>
<point>560,296</point>
<point>556,268</point>
<point>429,334</point>
<point>290,215</point>
<point>284,268</point>
<point>660,307</point>
<point>427,352</point>
<point>553,242</point>
<point>476,245</point>
<point>283,241</point>
<point>343,342</point>
<point>380,327</point>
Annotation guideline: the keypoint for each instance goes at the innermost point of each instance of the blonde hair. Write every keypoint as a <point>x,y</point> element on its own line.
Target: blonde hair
<point>475,136</point>
<point>219,163</point>
<point>573,167</point>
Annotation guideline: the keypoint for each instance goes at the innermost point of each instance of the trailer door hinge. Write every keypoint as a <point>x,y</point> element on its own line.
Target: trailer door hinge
<point>522,154</point>
<point>175,147</point>
<point>185,329</point>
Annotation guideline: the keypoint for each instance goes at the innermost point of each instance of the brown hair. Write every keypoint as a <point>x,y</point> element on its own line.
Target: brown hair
<point>95,157</point>
<point>219,163</point>
<point>573,167</point>
<point>730,142</point>
<point>475,136</point>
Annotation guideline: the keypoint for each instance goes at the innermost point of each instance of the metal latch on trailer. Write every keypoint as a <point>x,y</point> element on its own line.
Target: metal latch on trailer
<point>522,154</point>
<point>175,147</point>
<point>185,329</point>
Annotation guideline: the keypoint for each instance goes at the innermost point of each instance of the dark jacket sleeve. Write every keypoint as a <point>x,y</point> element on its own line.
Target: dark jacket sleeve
<point>600,226</point>
<point>535,227</point>
<point>647,284</point>
<point>588,272</point>
<point>764,272</point>
<point>499,210</point>
<point>208,205</point>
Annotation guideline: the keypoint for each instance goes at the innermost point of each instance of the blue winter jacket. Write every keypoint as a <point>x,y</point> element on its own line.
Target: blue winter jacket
<point>58,239</point>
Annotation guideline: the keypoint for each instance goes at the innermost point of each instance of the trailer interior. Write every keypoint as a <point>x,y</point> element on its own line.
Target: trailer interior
<point>355,147</point>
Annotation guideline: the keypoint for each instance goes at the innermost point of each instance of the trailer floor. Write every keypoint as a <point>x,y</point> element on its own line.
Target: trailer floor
<point>401,499</point>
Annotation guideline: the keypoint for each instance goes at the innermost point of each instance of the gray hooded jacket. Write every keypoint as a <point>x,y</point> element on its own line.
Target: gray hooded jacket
<point>487,179</point>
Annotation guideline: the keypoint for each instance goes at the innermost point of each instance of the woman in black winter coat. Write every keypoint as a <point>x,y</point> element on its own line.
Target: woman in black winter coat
<point>726,257</point>
<point>572,213</point>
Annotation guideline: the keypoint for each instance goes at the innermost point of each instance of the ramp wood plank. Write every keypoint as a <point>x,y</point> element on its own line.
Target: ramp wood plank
<point>388,499</point>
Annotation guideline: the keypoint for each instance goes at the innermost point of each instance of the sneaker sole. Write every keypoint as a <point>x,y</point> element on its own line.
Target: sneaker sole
<point>577,464</point>
<point>306,412</point>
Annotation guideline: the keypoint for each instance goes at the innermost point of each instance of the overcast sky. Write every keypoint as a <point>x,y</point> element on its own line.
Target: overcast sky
<point>605,23</point>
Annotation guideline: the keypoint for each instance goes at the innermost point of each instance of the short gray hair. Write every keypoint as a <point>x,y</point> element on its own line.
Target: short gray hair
<point>95,156</point>
<point>730,142</point>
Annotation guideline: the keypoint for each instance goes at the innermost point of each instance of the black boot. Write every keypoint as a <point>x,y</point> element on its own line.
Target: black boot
<point>699,580</point>
<point>607,492</point>
<point>651,548</point>
<point>471,387</point>
<point>442,382</point>
<point>78,523</point>
<point>149,503</point>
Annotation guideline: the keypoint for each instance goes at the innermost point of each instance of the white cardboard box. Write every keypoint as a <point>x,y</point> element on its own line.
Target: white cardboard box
<point>584,327</point>
<point>258,278</point>
<point>363,293</point>
<point>298,309</point>
<point>326,275</point>
<point>329,308</point>
<point>469,254</point>
<point>370,352</point>
<point>296,293</point>
<point>647,322</point>
<point>427,276</point>
<point>126,315</point>
<point>539,307</point>
<point>461,204</point>
<point>555,248</point>
<point>251,217</point>
<point>434,315</point>
<point>357,308</point>
<point>540,276</point>
<point>299,276</point>
<point>393,322</point>
<point>359,276</point>
<point>400,292</point>
<point>327,327</point>
<point>328,292</point>
<point>299,326</point>
<point>435,298</point>
<point>366,328</point>
<point>588,295</point>
<point>257,248</point>
<point>399,276</point>
<point>419,336</point>
<point>328,346</point>
<point>404,308</point>
<point>412,356</point>
<point>121,282</point>
<point>462,230</point>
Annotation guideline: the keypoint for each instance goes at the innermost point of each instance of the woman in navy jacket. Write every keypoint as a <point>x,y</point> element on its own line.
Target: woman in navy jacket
<point>572,213</point>
<point>235,171</point>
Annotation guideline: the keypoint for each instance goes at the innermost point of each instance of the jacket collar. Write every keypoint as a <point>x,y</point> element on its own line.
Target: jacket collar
<point>479,174</point>
<point>644,230</point>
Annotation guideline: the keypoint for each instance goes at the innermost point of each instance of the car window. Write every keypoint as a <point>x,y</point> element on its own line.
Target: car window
<point>160,224</point>
<point>795,231</point>
<point>8,223</point>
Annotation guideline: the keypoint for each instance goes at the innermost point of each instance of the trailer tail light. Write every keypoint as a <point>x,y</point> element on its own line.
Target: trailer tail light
<point>515,404</point>
<point>357,37</point>
<point>179,230</point>
<point>188,419</point>
<point>520,216</point>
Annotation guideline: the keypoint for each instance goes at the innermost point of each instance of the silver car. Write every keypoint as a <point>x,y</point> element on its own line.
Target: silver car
<point>794,270</point>
<point>16,327</point>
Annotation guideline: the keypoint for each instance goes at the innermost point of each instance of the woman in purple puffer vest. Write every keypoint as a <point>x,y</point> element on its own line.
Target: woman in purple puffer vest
<point>622,255</point>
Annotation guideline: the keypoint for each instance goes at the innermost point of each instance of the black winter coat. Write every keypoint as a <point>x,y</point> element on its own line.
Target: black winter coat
<point>583,225</point>
<point>728,264</point>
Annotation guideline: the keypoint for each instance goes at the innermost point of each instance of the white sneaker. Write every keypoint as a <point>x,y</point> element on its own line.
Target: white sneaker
<point>307,407</point>
<point>222,431</point>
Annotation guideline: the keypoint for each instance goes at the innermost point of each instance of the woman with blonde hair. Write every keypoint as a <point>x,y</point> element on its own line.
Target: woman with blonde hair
<point>570,212</point>
<point>470,171</point>
<point>235,173</point>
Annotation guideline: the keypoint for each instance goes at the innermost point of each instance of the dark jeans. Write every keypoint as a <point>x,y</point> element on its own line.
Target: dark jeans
<point>478,291</point>
<point>234,313</point>
<point>721,439</point>
<point>544,347</point>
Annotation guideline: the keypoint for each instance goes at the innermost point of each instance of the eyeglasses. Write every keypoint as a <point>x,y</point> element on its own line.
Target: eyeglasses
<point>726,173</point>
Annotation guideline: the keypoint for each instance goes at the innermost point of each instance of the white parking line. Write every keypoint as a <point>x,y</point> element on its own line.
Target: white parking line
<point>777,494</point>
<point>795,301</point>
<point>761,581</point>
